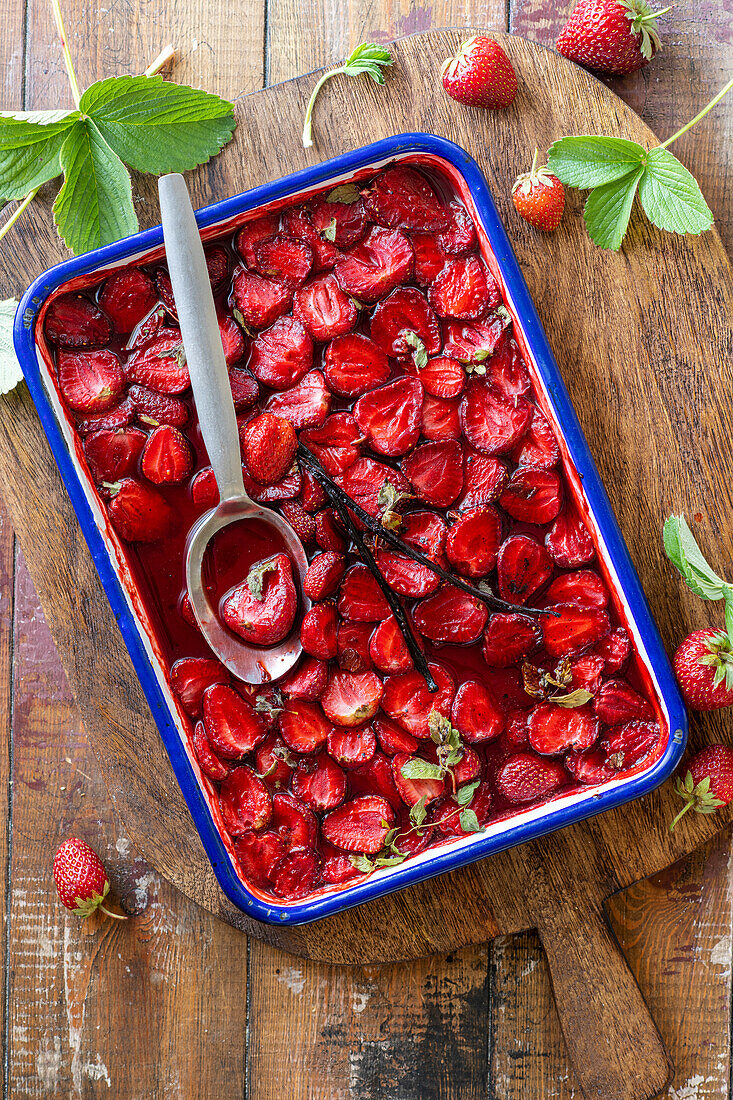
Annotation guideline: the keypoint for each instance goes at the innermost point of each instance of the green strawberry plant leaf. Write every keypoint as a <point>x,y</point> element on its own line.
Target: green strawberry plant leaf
<point>368,59</point>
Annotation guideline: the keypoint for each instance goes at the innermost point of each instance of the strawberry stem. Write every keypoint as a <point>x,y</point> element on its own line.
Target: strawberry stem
<point>687,806</point>
<point>16,213</point>
<point>307,124</point>
<point>653,15</point>
<point>67,53</point>
<point>701,114</point>
<point>166,55</point>
<point>535,158</point>
<point>109,913</point>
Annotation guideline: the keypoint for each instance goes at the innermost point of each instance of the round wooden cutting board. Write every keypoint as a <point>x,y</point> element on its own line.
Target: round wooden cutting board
<point>644,341</point>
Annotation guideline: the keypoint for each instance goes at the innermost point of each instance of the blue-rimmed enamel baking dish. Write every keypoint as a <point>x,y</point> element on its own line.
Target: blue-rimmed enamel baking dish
<point>462,173</point>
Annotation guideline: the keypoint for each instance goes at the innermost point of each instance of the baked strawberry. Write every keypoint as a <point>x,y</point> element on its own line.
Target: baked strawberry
<point>435,472</point>
<point>483,480</point>
<point>149,327</point>
<point>516,730</point>
<point>268,446</point>
<point>245,802</point>
<point>319,783</point>
<point>257,301</point>
<point>324,308</point>
<point>232,725</point>
<point>539,197</point>
<point>393,739</point>
<point>708,782</point>
<point>245,389</point>
<point>492,422</point>
<point>509,638</point>
<point>591,766</point>
<point>127,296</point>
<point>584,588</point>
<point>361,600</point>
<point>573,628</point>
<point>426,532</point>
<point>287,488</point>
<point>305,405</point>
<point>480,75</point>
<point>375,777</point>
<point>611,36</point>
<point>569,541</point>
<point>412,786</point>
<point>114,454</point>
<point>160,364</point>
<point>631,743</point>
<point>405,575</point>
<point>586,673</point>
<point>281,355</point>
<point>617,702</point>
<point>440,418</point>
<point>139,513</point>
<point>387,648</point>
<point>297,874</point>
<point>703,665</point>
<point>353,365</point>
<point>343,223</point>
<point>523,567</point>
<point>232,339</point>
<point>532,496</point>
<point>167,456</point>
<point>614,649</point>
<point>404,326</point>
<point>324,575</point>
<point>191,676</point>
<point>429,257</point>
<point>506,372</point>
<point>402,198</point>
<point>376,265</point>
<point>336,444</point>
<point>458,238</point>
<point>303,726</point>
<point>312,494</point>
<point>352,747</point>
<point>81,880</point>
<point>389,416</point>
<point>117,417</point>
<point>527,777</point>
<point>538,449</point>
<point>210,764</point>
<point>475,713</point>
<point>352,646</point>
<point>473,542</point>
<point>297,223</point>
<point>461,290</point>
<point>352,698</point>
<point>442,377</point>
<point>90,381</point>
<point>554,729</point>
<point>284,259</point>
<point>473,342</point>
<point>204,490</point>
<point>153,408</point>
<point>359,825</point>
<point>409,703</point>
<point>337,867</point>
<point>259,855</point>
<point>450,616</point>
<point>318,631</point>
<point>250,235</point>
<point>302,523</point>
<point>73,321</point>
<point>307,681</point>
<point>262,610</point>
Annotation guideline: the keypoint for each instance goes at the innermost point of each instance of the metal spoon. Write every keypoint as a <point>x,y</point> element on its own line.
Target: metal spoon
<point>218,422</point>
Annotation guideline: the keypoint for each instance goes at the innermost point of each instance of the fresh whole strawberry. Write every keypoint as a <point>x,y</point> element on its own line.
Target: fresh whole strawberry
<point>708,783</point>
<point>539,197</point>
<point>703,665</point>
<point>480,75</point>
<point>611,36</point>
<point>81,879</point>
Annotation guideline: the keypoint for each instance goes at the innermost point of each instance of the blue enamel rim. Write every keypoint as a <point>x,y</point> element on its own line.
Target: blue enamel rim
<point>440,861</point>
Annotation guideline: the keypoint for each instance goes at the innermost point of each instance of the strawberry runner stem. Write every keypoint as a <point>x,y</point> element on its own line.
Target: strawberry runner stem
<point>701,114</point>
<point>67,53</point>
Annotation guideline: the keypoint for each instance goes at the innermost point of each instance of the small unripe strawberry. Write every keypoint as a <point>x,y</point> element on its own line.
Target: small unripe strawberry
<point>480,75</point>
<point>539,197</point>
<point>81,879</point>
<point>708,783</point>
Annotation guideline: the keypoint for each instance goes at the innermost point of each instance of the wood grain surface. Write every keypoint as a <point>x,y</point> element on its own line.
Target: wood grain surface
<point>386,1067</point>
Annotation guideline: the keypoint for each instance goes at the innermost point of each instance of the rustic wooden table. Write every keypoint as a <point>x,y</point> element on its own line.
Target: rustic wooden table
<point>175,1004</point>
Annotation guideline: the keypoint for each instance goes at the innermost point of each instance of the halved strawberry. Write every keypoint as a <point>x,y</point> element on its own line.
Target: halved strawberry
<point>353,365</point>
<point>516,731</point>
<point>387,648</point>
<point>573,629</point>
<point>138,511</point>
<point>250,235</point>
<point>127,296</point>
<point>592,766</point>
<point>319,782</point>
<point>352,646</point>
<point>191,676</point>
<point>506,370</point>
<point>336,444</point>
<point>259,301</point>
<point>274,763</point>
<point>297,223</point>
<point>365,480</point>
<point>406,576</point>
<point>429,258</point>
<point>307,681</point>
<point>312,494</point>
<point>352,747</point>
<point>153,408</point>
<point>281,355</point>
<point>167,456</point>
<point>509,638</point>
<point>584,588</point>
<point>305,405</point>
<point>475,713</point>
<point>412,790</point>
<point>459,236</point>
<point>303,726</point>
<point>293,821</point>
<point>232,725</point>
<point>302,523</point>
<point>586,672</point>
<point>468,768</point>
<point>614,649</point>
<point>245,388</point>
<point>324,308</point>
<point>114,454</point>
<point>527,777</point>
<point>337,867</point>
<point>284,259</point>
<point>523,568</point>
<point>359,825</point>
<point>403,322</point>
<point>569,541</point>
<point>90,381</point>
<point>426,532</point>
<point>318,631</point>
<point>149,327</point>
<point>617,702</point>
<point>507,688</point>
<point>447,815</point>
<point>203,488</point>
<point>483,480</point>
<point>258,855</point>
<point>160,364</point>
<point>207,760</point>
<point>117,417</point>
<point>245,801</point>
<point>402,198</point>
<point>73,321</point>
<point>409,703</point>
<point>450,616</point>
<point>554,729</point>
<point>538,450</point>
<point>389,416</point>
<point>435,471</point>
<point>376,265</point>
<point>442,377</point>
<point>268,446</point>
<point>492,422</point>
<point>392,739</point>
<point>473,542</point>
<point>324,575</point>
<point>532,496</point>
<point>262,610</point>
<point>330,535</point>
<point>474,341</point>
<point>461,290</point>
<point>375,777</point>
<point>343,223</point>
<point>232,339</point>
<point>631,743</point>
<point>217,265</point>
<point>287,488</point>
<point>297,875</point>
<point>361,600</point>
<point>440,418</point>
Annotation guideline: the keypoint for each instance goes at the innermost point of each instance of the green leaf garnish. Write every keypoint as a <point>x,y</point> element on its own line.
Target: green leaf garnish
<point>419,354</point>
<point>464,795</point>
<point>418,811</point>
<point>347,193</point>
<point>417,768</point>
<point>366,58</point>
<point>362,863</point>
<point>10,372</point>
<point>256,577</point>
<point>577,698</point>
<point>683,551</point>
<point>469,822</point>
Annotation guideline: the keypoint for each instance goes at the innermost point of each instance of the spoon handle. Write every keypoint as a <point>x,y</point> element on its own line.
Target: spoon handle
<point>201,337</point>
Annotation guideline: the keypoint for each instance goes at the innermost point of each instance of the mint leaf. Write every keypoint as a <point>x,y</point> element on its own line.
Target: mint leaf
<point>469,822</point>
<point>10,372</point>
<point>577,698</point>
<point>417,768</point>
<point>30,144</point>
<point>362,863</point>
<point>370,59</point>
<point>591,161</point>
<point>608,209</point>
<point>418,811</point>
<point>683,551</point>
<point>156,126</point>
<point>464,795</point>
<point>671,196</point>
<point>94,206</point>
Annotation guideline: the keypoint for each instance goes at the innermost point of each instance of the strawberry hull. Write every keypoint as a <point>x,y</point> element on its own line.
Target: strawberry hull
<point>157,634</point>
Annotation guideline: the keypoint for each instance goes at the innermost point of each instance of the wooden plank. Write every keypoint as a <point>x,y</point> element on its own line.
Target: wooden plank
<point>7,570</point>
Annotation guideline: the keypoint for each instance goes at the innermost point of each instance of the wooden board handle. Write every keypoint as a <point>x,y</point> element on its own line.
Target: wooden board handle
<point>614,1045</point>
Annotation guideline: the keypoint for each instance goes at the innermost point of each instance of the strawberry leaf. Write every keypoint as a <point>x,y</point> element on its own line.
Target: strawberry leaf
<point>370,59</point>
<point>608,209</point>
<point>671,196</point>
<point>687,557</point>
<point>591,161</point>
<point>10,372</point>
<point>30,147</point>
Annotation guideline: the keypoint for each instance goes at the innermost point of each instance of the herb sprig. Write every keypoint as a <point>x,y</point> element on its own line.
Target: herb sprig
<point>366,58</point>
